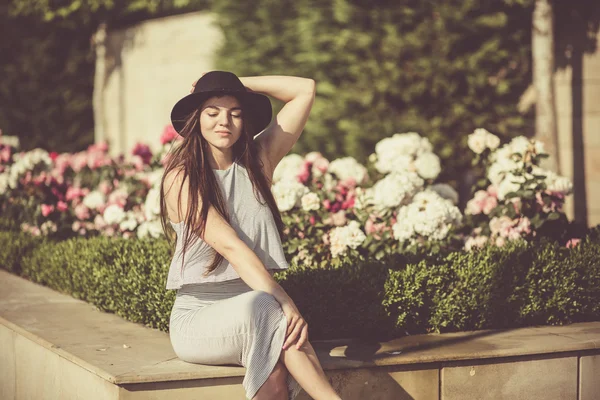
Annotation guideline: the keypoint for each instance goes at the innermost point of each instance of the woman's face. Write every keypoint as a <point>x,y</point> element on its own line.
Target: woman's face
<point>221,121</point>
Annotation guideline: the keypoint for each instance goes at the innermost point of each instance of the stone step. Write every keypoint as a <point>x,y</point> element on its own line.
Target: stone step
<point>55,347</point>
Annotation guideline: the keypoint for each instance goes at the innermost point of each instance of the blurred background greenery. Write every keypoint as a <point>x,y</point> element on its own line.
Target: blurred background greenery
<point>438,67</point>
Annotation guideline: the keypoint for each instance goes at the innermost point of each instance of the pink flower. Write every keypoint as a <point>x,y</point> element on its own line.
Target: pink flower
<point>104,187</point>
<point>47,209</point>
<point>75,192</point>
<point>327,204</point>
<point>369,226</point>
<point>312,220</point>
<point>99,222</point>
<point>5,154</point>
<point>475,205</point>
<point>492,190</point>
<point>117,197</point>
<point>143,151</point>
<point>348,183</point>
<point>572,243</point>
<point>62,206</point>
<point>138,163</point>
<point>516,202</point>
<point>489,204</point>
<point>321,164</point>
<point>304,173</point>
<point>169,134</point>
<point>348,203</point>
<point>82,212</point>
<point>61,163</point>
<point>100,147</point>
<point>78,161</point>
<point>524,225</point>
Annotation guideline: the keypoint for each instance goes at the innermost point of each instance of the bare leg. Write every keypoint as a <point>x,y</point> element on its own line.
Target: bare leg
<point>304,366</point>
<point>275,388</point>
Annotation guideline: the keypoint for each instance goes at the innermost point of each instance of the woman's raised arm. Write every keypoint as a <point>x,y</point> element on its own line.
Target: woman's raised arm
<point>279,137</point>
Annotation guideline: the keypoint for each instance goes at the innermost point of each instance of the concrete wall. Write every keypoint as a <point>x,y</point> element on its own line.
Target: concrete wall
<point>144,70</point>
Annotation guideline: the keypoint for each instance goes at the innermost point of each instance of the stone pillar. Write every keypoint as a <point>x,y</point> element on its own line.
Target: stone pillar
<point>578,116</point>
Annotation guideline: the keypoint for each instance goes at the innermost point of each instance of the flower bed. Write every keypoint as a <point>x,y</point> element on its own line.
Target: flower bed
<point>334,211</point>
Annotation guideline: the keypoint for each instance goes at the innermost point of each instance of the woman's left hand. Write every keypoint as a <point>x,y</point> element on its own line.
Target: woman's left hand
<point>297,328</point>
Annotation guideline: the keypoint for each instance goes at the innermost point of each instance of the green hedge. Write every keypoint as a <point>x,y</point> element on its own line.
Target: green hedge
<point>518,285</point>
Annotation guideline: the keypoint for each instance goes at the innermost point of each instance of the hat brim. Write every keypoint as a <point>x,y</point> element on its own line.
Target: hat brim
<point>256,105</point>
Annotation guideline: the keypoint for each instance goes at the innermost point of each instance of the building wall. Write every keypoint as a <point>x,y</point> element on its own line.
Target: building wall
<point>146,68</point>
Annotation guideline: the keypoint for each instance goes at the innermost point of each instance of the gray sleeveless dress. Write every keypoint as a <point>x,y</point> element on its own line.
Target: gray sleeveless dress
<point>218,319</point>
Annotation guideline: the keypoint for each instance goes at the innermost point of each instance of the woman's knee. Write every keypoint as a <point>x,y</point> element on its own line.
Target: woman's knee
<point>262,302</point>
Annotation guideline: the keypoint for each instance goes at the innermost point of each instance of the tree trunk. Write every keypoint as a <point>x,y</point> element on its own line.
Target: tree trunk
<point>543,70</point>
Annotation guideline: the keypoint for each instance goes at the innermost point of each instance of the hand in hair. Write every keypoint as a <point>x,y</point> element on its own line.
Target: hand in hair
<point>196,81</point>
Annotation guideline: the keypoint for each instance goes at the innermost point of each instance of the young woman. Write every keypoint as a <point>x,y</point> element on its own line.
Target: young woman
<point>216,196</point>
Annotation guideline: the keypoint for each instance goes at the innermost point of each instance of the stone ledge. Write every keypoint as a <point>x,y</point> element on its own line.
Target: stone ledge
<point>93,340</point>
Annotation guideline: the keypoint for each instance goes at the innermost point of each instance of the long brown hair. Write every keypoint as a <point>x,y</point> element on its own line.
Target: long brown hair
<point>190,158</point>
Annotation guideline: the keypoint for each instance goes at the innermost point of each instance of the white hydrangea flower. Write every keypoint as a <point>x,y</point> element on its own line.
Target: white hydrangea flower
<point>348,168</point>
<point>477,141</point>
<point>510,183</point>
<point>475,242</point>
<point>399,163</point>
<point>310,202</point>
<point>397,153</point>
<point>153,177</point>
<point>429,216</point>
<point>129,222</point>
<point>288,168</point>
<point>150,229</point>
<point>288,193</point>
<point>482,139</point>
<point>500,168</point>
<point>23,162</point>
<point>539,147</point>
<point>445,191</point>
<point>392,190</point>
<point>428,165</point>
<point>152,203</point>
<point>48,227</point>
<point>557,183</point>
<point>519,145</point>
<point>12,141</point>
<point>94,199</point>
<point>344,237</point>
<point>114,214</point>
<point>492,141</point>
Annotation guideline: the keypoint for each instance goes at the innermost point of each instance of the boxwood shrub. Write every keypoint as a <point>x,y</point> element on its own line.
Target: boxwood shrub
<point>517,285</point>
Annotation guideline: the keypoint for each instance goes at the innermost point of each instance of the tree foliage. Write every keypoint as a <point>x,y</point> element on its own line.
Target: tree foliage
<point>441,68</point>
<point>47,65</point>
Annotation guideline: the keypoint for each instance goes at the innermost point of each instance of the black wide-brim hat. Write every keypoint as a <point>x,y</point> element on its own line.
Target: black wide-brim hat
<point>221,83</point>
